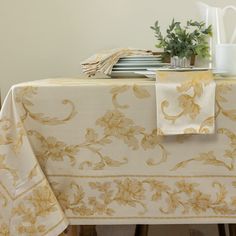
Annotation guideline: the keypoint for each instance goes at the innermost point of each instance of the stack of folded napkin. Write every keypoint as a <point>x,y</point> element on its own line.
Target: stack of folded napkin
<point>103,62</point>
<point>185,102</point>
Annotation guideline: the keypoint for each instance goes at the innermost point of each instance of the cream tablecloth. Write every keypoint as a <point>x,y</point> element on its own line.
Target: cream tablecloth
<point>88,152</point>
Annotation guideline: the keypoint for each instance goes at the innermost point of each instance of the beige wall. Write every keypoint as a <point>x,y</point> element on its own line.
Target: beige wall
<point>49,38</point>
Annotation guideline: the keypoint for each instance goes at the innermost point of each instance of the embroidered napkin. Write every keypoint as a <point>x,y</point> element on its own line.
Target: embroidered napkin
<point>185,102</point>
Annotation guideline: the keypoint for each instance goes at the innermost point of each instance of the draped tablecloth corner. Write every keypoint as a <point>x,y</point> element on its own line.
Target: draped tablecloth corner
<point>27,202</point>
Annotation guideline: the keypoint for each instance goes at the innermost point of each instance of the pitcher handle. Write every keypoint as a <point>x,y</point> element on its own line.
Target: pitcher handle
<point>233,37</point>
<point>229,7</point>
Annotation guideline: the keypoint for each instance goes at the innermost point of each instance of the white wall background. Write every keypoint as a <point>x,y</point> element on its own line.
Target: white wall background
<point>49,38</point>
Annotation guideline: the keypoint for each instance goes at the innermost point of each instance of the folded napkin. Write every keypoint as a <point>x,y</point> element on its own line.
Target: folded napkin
<point>185,102</point>
<point>104,61</point>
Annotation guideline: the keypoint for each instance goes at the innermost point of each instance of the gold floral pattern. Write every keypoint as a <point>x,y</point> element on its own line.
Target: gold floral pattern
<point>39,204</point>
<point>24,97</point>
<point>6,168</point>
<point>4,230</point>
<point>185,102</point>
<point>77,205</point>
<point>151,141</point>
<point>209,158</point>
<point>195,82</point>
<point>115,125</point>
<point>7,137</point>
<point>5,125</point>
<point>221,91</point>
<point>117,164</point>
<point>182,196</point>
<point>130,192</point>
<point>53,149</point>
<point>226,161</point>
<point>138,91</point>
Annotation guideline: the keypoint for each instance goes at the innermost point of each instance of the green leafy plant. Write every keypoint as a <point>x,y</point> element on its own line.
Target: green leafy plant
<point>186,41</point>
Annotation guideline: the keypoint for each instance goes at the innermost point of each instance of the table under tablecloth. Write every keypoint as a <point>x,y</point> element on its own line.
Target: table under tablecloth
<point>88,152</point>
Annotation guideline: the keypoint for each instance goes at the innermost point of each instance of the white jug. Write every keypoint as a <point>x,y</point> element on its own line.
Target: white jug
<point>215,16</point>
<point>226,59</point>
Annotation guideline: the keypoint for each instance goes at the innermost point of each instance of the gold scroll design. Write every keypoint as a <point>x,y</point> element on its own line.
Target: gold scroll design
<point>149,140</point>
<point>4,230</point>
<point>183,195</point>
<point>55,150</point>
<point>51,148</point>
<point>188,103</point>
<point>11,171</point>
<point>40,203</point>
<point>210,158</point>
<point>222,90</point>
<point>24,98</point>
<point>11,134</point>
<point>115,125</point>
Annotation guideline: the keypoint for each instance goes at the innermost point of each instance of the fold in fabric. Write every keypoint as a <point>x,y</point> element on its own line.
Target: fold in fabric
<point>185,102</point>
<point>104,61</point>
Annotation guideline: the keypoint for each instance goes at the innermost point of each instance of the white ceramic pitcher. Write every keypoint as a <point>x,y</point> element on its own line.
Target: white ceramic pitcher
<point>226,59</point>
<point>215,16</point>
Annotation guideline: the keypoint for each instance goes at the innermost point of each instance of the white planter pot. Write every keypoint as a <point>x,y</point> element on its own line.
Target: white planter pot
<point>181,62</point>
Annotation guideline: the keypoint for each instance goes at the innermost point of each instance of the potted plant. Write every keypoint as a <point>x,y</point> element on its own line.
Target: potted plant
<point>182,43</point>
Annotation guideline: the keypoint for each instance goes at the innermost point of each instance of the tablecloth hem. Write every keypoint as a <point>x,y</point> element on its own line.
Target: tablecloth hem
<point>58,229</point>
<point>167,132</point>
<point>177,220</point>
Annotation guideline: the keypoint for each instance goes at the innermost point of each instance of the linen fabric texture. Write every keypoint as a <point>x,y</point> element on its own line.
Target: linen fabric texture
<point>89,151</point>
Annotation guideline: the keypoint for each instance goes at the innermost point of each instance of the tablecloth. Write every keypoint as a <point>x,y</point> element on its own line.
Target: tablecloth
<point>88,152</point>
